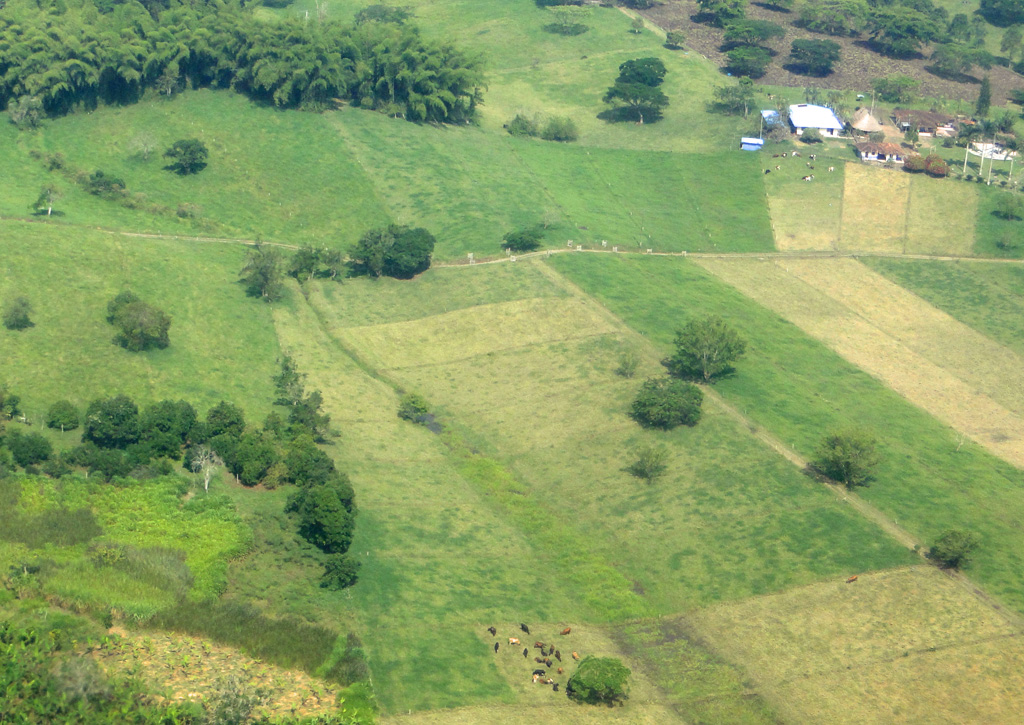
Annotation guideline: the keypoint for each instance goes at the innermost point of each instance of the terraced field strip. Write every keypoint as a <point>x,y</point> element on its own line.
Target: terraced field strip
<point>876,650</point>
<point>875,205</point>
<point>937,363</point>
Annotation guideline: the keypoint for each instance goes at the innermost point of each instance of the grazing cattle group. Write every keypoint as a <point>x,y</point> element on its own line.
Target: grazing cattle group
<point>812,157</point>
<point>547,651</point>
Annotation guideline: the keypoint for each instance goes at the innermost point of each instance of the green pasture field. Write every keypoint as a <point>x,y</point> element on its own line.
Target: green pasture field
<point>532,71</point>
<point>280,176</point>
<point>932,225</point>
<point>548,403</point>
<point>222,347</point>
<point>988,297</point>
<point>148,517</point>
<point>471,188</point>
<point>873,650</point>
<point>797,389</point>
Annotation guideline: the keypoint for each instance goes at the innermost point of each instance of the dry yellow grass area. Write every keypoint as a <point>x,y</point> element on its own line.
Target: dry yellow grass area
<point>189,669</point>
<point>980,362</point>
<point>931,228</point>
<point>910,645</point>
<point>874,209</point>
<point>806,215</point>
<point>480,330</point>
<point>891,336</point>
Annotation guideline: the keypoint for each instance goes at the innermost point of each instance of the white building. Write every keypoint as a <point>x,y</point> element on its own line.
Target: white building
<point>804,116</point>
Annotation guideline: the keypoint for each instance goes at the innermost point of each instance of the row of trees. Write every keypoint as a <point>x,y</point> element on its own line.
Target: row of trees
<point>60,56</point>
<point>898,28</point>
<point>392,251</point>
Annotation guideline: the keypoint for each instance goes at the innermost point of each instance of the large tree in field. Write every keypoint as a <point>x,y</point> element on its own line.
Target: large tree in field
<point>112,422</point>
<point>953,548</point>
<point>263,273</point>
<point>722,11</point>
<point>734,99</point>
<point>393,251</point>
<point>900,31</point>
<point>648,71</point>
<point>814,57</point>
<point>667,403</point>
<point>834,17</point>
<point>188,156</point>
<point>847,456</point>
<point>642,102</point>
<point>705,349</point>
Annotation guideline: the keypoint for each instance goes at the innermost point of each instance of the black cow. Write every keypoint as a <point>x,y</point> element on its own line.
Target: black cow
<point>524,628</point>
<point>495,646</point>
<point>493,631</point>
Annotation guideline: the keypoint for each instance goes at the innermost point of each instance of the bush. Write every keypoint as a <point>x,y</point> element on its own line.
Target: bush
<point>953,548</point>
<point>142,326</point>
<point>108,187</point>
<point>666,403</point>
<point>28,449</point>
<point>674,39</point>
<point>599,681</point>
<point>651,463</point>
<point>560,128</point>
<point>522,126</point>
<point>935,165</point>
<point>629,361</point>
<point>188,156</point>
<point>413,407</point>
<point>16,314</point>
<point>1009,206</point>
<point>63,415</point>
<point>914,163</point>
<point>847,456</point>
<point>811,135</point>
<point>340,571</point>
<point>523,240</point>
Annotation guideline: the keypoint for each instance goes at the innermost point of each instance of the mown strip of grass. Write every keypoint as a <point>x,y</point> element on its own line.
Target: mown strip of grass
<point>798,389</point>
<point>988,297</point>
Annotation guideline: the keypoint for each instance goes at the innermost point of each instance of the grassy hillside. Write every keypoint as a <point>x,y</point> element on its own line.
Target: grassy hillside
<point>222,343</point>
<point>797,388</point>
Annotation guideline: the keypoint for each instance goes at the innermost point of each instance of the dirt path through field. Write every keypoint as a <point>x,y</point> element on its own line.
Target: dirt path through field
<point>927,357</point>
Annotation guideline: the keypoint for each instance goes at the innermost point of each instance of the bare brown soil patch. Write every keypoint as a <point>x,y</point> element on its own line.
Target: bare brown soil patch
<point>857,67</point>
<point>190,669</point>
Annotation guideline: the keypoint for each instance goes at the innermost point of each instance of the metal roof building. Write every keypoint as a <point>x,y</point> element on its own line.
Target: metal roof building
<point>803,116</point>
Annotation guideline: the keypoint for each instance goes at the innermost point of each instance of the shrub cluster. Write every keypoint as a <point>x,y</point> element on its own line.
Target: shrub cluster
<point>140,325</point>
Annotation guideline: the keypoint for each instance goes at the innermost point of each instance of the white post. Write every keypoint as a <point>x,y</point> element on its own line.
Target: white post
<point>967,150</point>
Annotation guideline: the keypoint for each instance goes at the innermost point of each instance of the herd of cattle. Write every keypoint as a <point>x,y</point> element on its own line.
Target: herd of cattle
<point>540,675</point>
<point>809,177</point>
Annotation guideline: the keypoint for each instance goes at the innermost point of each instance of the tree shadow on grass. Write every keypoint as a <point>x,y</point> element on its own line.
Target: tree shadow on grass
<point>627,114</point>
<point>955,77</point>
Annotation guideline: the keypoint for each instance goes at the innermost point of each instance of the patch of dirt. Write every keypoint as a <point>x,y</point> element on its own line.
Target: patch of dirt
<point>857,66</point>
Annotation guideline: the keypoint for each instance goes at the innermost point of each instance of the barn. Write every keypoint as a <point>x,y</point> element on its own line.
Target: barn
<point>804,116</point>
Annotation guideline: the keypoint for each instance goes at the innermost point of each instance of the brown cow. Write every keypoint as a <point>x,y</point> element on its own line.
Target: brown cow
<point>539,659</point>
<point>513,640</point>
<point>566,630</point>
<point>558,655</point>
<point>538,645</point>
<point>561,671</point>
<point>852,579</point>
<point>575,655</point>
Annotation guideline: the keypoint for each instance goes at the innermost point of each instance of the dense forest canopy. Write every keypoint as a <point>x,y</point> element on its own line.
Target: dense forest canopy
<point>78,53</point>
